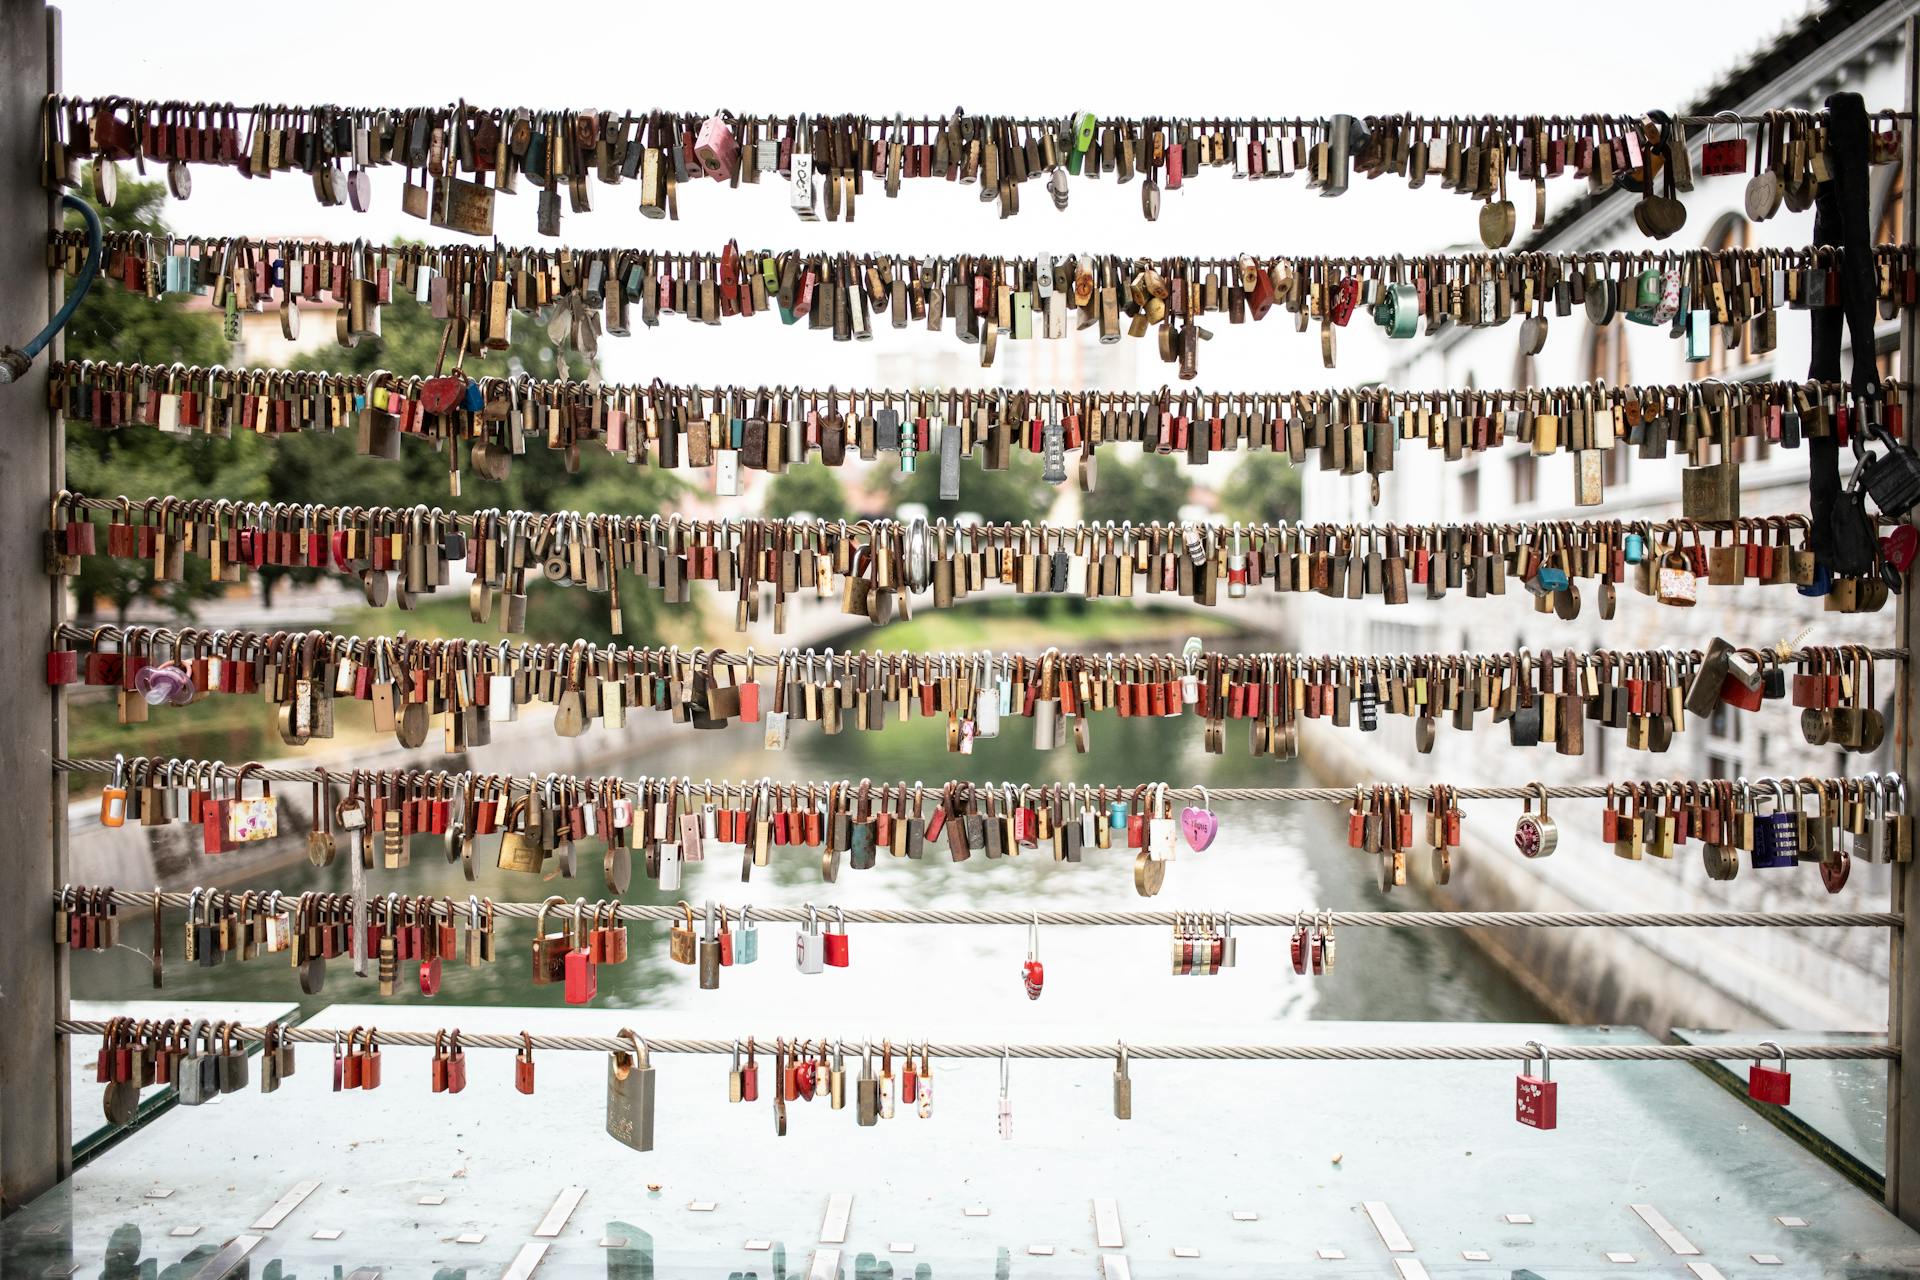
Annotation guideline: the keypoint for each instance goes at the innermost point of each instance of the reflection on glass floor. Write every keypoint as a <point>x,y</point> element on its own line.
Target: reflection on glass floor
<point>1227,1169</point>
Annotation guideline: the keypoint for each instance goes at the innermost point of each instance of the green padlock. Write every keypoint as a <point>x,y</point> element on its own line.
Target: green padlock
<point>1082,142</point>
<point>1398,311</point>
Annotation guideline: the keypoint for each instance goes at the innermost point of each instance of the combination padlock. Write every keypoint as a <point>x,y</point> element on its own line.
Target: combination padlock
<point>1536,835</point>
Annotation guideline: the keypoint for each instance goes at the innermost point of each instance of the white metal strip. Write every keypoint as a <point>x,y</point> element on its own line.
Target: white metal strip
<point>1665,1230</point>
<point>1113,1266</point>
<point>285,1205</point>
<point>825,1265</point>
<point>525,1262</point>
<point>1390,1233</point>
<point>833,1227</point>
<point>563,1206</point>
<point>1705,1271</point>
<point>1106,1223</point>
<point>1410,1269</point>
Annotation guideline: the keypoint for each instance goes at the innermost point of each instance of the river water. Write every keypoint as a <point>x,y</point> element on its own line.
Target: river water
<point>1266,857</point>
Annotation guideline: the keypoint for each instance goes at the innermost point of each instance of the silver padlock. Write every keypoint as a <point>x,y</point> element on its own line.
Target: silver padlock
<point>630,1089</point>
<point>986,709</point>
<point>1122,1087</point>
<point>669,867</point>
<point>196,1078</point>
<point>1229,945</point>
<point>809,954</point>
<point>1870,842</point>
<point>1006,1103</point>
<point>801,194</point>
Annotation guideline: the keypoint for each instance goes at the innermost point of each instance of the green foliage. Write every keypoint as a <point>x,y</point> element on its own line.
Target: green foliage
<point>112,323</point>
<point>116,324</point>
<point>409,342</point>
<point>1263,489</point>
<point>1015,494</point>
<point>1153,488</point>
<point>809,488</point>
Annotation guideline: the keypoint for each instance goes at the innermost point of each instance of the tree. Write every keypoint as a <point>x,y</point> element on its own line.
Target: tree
<point>808,488</point>
<point>113,323</point>
<point>1151,489</point>
<point>307,466</point>
<point>1263,489</point>
<point>1016,494</point>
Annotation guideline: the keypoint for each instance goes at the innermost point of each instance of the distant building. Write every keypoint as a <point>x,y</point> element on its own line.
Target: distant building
<point>1818,978</point>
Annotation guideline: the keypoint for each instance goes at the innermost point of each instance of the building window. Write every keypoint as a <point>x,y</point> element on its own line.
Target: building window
<point>1732,232</point>
<point>1470,491</point>
<point>1525,473</point>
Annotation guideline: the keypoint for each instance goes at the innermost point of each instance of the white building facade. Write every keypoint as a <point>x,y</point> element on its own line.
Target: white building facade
<point>1827,978</point>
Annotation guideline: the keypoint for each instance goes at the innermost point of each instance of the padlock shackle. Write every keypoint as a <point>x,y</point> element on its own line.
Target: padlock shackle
<point>1546,1063</point>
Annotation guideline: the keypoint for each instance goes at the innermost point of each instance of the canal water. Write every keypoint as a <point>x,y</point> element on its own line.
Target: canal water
<point>1266,857</point>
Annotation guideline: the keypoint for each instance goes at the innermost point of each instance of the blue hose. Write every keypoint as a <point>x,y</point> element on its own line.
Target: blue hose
<point>84,283</point>
<point>13,363</point>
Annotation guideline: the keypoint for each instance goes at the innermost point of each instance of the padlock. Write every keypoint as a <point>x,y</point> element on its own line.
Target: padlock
<point>1006,1102</point>
<point>1898,823</point>
<point>867,1090</point>
<point>808,949</point>
<point>1770,1084</point>
<point>1162,830</point>
<point>113,796</point>
<point>1776,835</point>
<point>709,959</point>
<point>549,949</point>
<point>1536,836</point>
<point>1122,1087</point>
<point>1032,975</point>
<point>834,941</point>
<point>456,1064</point>
<point>1891,478</point>
<point>682,946</point>
<point>1199,825</point>
<point>1536,1099</point>
<point>523,1064</point>
<point>717,149</point>
<point>630,1090</point>
<point>582,974</point>
<point>746,939</point>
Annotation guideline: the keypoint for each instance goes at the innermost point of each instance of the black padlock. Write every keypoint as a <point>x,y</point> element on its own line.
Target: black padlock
<point>1892,478</point>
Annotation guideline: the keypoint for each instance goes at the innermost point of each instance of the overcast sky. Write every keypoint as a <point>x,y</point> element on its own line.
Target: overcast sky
<point>990,57</point>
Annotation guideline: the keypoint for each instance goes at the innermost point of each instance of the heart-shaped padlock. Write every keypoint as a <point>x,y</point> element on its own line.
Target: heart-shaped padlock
<point>1032,974</point>
<point>805,1074</point>
<point>1199,825</point>
<point>441,392</point>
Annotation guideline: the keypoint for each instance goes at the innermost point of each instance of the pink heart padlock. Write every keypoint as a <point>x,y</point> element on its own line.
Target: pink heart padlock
<point>1199,825</point>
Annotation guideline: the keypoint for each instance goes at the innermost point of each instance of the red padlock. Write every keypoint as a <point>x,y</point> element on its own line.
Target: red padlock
<point>523,1065</point>
<point>833,943</point>
<point>1032,974</point>
<point>1536,1099</point>
<point>750,1076</point>
<point>582,974</point>
<point>456,1064</point>
<point>1770,1084</point>
<point>1900,546</point>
